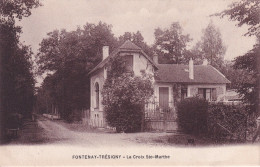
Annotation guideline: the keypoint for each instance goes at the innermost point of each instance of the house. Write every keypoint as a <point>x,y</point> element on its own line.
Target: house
<point>172,82</point>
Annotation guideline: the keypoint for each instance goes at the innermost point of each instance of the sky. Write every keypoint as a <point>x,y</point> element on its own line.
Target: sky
<point>134,15</point>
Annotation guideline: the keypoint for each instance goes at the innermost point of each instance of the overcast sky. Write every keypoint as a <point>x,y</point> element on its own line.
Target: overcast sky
<point>133,15</point>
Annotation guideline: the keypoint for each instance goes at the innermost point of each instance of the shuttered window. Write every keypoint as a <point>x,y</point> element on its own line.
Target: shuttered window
<point>209,94</point>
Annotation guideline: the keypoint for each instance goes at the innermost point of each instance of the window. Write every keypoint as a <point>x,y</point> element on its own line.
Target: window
<point>209,94</point>
<point>97,94</point>
<point>183,93</point>
<point>129,63</point>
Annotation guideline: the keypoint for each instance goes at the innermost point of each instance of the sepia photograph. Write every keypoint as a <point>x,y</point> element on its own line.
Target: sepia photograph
<point>129,82</point>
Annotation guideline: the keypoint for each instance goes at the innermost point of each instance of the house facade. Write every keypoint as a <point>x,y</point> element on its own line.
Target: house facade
<point>171,82</point>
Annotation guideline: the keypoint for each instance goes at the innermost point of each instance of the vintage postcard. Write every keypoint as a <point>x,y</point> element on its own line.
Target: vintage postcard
<point>129,82</point>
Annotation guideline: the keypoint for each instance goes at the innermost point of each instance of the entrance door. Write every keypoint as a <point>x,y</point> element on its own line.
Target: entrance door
<point>164,97</point>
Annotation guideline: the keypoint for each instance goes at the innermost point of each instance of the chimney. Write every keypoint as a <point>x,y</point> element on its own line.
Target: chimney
<point>155,59</point>
<point>191,69</point>
<point>105,52</point>
<point>205,62</point>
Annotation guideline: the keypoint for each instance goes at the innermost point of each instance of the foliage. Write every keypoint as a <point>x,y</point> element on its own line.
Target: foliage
<point>68,57</point>
<point>17,9</point>
<point>170,44</point>
<point>227,121</point>
<point>235,76</point>
<point>211,46</point>
<point>245,12</point>
<point>192,115</point>
<point>17,81</point>
<point>124,96</point>
<point>247,85</point>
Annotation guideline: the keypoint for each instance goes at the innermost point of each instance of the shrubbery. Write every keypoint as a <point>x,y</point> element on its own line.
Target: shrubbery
<point>216,120</point>
<point>124,96</point>
<point>227,121</point>
<point>192,115</point>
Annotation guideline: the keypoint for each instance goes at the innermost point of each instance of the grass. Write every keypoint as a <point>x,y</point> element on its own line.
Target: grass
<point>30,133</point>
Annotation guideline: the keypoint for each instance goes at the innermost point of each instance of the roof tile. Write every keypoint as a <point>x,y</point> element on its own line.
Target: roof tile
<point>179,73</point>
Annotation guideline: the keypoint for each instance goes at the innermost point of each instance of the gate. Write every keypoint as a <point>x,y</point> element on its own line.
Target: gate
<point>160,118</point>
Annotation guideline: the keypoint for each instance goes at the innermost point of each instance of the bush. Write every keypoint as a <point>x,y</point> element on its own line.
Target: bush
<point>125,119</point>
<point>124,96</point>
<point>192,115</point>
<point>124,100</point>
<point>227,121</point>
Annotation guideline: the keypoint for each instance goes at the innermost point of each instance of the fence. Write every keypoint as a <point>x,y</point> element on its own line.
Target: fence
<point>160,118</point>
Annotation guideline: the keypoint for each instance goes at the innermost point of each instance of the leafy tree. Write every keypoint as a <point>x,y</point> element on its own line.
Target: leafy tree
<point>17,82</point>
<point>234,75</point>
<point>17,9</point>
<point>70,56</point>
<point>247,84</point>
<point>211,46</point>
<point>170,44</point>
<point>247,12</point>
<point>195,53</point>
<point>124,96</point>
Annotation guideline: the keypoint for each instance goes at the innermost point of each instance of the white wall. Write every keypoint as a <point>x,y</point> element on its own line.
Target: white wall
<point>140,63</point>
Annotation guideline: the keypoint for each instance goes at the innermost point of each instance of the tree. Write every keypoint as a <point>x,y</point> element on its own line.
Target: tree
<point>17,9</point>
<point>247,12</point>
<point>17,82</point>
<point>195,53</point>
<point>124,96</point>
<point>234,75</point>
<point>247,85</point>
<point>211,46</point>
<point>170,44</point>
<point>70,56</point>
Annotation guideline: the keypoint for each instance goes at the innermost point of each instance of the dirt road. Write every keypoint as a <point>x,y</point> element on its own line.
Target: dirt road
<point>57,133</point>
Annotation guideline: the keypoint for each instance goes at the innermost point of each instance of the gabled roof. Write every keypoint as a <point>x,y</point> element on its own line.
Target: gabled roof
<point>177,73</point>
<point>127,46</point>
